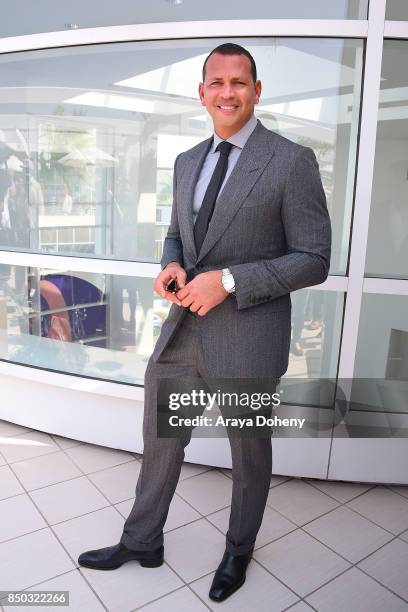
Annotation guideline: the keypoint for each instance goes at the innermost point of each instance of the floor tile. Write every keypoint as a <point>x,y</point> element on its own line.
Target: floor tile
<point>301,606</point>
<point>18,516</point>
<point>66,500</point>
<point>119,482</point>
<point>2,460</point>
<point>180,513</point>
<point>125,507</point>
<point>91,531</point>
<point>182,600</point>
<point>277,480</point>
<point>300,562</point>
<point>348,533</point>
<point>84,520</point>
<point>31,559</point>
<point>90,457</point>
<point>273,526</point>
<point>9,485</point>
<point>137,456</point>
<point>11,429</point>
<point>384,507</point>
<point>355,591</point>
<point>24,446</point>
<point>260,592</point>
<point>66,442</point>
<point>192,469</point>
<point>389,565</point>
<point>206,492</point>
<point>400,489</point>
<point>194,550</point>
<point>45,470</point>
<point>226,472</point>
<point>81,596</point>
<point>132,585</point>
<point>299,501</point>
<point>341,491</point>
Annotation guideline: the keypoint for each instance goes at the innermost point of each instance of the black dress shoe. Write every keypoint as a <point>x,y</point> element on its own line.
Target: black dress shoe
<point>229,576</point>
<point>113,557</point>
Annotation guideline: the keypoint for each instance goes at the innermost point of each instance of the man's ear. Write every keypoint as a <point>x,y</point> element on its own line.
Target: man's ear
<point>201,93</point>
<point>258,89</point>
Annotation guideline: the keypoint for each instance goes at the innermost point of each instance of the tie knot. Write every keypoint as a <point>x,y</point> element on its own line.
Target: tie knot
<point>224,147</point>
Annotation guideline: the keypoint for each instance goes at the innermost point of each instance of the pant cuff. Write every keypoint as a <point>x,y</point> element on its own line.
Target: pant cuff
<point>242,549</point>
<point>134,545</point>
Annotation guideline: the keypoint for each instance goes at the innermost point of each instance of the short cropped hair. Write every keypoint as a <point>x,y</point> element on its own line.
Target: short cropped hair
<point>232,49</point>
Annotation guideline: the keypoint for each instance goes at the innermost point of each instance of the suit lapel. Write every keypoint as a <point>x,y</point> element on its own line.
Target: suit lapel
<point>187,181</point>
<point>255,155</point>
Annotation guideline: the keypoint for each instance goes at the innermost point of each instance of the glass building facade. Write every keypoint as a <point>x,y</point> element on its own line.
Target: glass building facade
<point>91,122</point>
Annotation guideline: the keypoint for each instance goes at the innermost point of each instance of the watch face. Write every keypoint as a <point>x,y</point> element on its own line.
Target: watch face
<point>228,283</point>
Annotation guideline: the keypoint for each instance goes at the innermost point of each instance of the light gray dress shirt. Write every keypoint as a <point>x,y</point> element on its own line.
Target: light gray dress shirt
<point>238,140</point>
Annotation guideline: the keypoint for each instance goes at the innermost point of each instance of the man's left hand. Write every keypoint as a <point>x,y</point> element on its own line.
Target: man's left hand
<point>203,293</point>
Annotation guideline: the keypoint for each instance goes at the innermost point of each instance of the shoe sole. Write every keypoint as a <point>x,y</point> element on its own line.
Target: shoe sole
<point>143,563</point>
<point>236,587</point>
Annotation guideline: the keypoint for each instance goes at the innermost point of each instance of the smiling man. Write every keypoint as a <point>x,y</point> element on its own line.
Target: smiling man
<point>249,225</point>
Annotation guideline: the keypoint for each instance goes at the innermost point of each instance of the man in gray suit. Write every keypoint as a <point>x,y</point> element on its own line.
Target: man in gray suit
<point>249,225</point>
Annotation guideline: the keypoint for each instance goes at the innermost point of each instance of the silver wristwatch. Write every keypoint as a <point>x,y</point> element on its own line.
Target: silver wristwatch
<point>228,281</point>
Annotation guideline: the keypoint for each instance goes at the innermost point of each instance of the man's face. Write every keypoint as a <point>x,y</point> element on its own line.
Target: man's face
<point>229,92</point>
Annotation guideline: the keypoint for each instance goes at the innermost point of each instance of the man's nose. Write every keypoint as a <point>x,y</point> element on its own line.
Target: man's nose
<point>227,91</point>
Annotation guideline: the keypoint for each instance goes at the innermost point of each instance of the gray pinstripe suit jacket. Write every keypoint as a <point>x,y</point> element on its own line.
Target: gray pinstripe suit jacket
<point>272,229</point>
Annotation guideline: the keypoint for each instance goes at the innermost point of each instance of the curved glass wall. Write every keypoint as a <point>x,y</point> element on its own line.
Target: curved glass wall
<point>105,326</point>
<point>379,389</point>
<point>89,136</point>
<point>387,249</point>
<point>87,170</point>
<point>89,324</point>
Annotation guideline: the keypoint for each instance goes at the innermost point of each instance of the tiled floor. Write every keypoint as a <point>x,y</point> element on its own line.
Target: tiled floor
<point>323,545</point>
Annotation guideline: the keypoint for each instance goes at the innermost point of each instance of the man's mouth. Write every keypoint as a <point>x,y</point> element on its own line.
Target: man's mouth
<point>227,108</point>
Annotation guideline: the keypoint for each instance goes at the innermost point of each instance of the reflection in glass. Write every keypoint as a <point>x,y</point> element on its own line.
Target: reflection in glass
<point>94,325</point>
<point>316,330</point>
<point>310,384</point>
<point>382,348</point>
<point>379,392</point>
<point>86,156</point>
<point>387,249</point>
<point>106,326</point>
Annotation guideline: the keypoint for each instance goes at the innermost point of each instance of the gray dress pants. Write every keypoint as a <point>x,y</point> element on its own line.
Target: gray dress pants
<point>163,458</point>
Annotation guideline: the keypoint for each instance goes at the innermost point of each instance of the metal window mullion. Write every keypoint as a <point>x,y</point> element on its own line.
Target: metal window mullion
<point>341,28</point>
<point>118,267</point>
<point>396,29</point>
<point>80,264</point>
<point>386,286</point>
<point>364,181</point>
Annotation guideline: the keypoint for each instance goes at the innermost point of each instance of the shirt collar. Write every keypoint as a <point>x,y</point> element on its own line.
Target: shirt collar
<point>239,138</point>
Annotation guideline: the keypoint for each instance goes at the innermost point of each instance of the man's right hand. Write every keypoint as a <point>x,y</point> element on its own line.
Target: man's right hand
<point>172,270</point>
